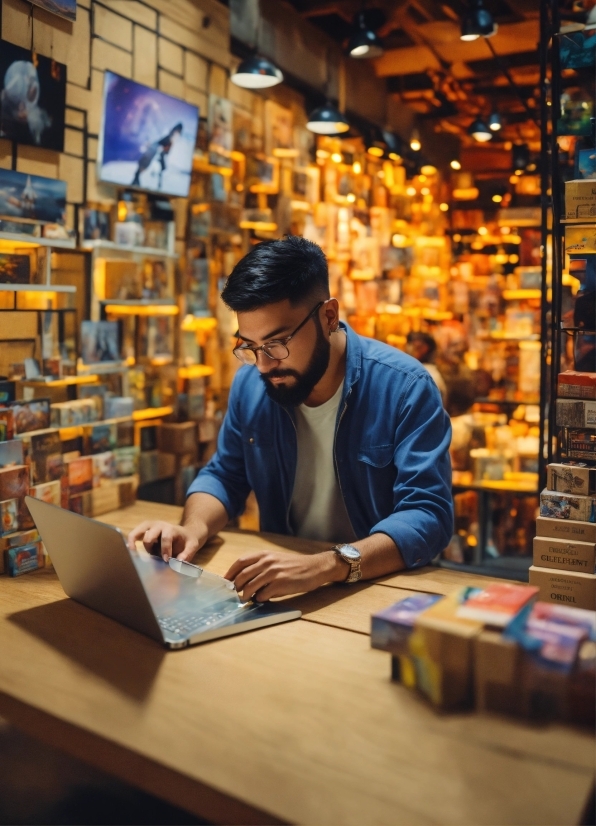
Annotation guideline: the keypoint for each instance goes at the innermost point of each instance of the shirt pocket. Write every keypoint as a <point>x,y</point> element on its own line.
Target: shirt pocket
<point>376,455</point>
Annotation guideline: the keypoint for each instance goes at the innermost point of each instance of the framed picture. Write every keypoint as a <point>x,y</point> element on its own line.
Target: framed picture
<point>279,131</point>
<point>262,174</point>
<point>156,338</point>
<point>242,131</point>
<point>15,269</point>
<point>33,98</point>
<point>147,138</point>
<point>100,341</point>
<point>63,8</point>
<point>32,198</point>
<point>221,139</point>
<point>96,225</point>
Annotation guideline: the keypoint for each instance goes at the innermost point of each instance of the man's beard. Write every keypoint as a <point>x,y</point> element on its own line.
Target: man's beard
<point>305,382</point>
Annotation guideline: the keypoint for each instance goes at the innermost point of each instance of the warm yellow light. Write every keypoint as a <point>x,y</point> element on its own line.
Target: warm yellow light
<point>477,245</point>
<point>350,197</point>
<point>513,259</point>
<point>399,240</point>
<point>457,237</point>
<point>513,179</point>
<point>505,230</point>
<point>415,145</point>
<point>202,323</point>
<point>501,258</point>
<point>122,211</point>
<point>482,231</point>
<point>425,190</point>
<point>468,193</point>
<point>68,380</point>
<point>444,207</point>
<point>422,178</point>
<point>151,413</point>
<point>337,157</point>
<point>455,164</point>
<point>263,226</point>
<point>395,157</point>
<point>514,239</point>
<point>497,198</point>
<point>356,167</point>
<point>411,191</point>
<point>381,174</point>
<point>376,151</point>
<point>142,309</point>
<point>519,172</point>
<point>195,371</point>
<point>429,169</point>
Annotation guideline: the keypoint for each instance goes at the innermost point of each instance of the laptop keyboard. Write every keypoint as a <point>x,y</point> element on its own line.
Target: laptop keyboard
<point>186,624</point>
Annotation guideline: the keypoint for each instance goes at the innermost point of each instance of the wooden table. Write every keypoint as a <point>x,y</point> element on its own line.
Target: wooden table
<point>294,723</point>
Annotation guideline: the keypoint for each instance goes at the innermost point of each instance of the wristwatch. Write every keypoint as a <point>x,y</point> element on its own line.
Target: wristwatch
<point>351,555</point>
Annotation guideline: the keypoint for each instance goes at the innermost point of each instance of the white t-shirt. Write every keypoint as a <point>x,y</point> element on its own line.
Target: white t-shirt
<point>317,510</point>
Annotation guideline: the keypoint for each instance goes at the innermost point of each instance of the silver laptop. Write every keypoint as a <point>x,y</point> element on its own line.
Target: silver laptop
<point>96,568</point>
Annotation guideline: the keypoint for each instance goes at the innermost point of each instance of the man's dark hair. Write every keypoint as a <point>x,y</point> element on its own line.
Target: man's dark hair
<point>290,267</point>
<point>425,338</point>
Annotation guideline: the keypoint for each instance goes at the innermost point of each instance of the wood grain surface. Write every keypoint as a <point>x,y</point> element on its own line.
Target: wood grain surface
<point>294,723</point>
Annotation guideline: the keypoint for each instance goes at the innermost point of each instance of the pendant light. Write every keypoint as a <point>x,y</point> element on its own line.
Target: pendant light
<point>494,122</point>
<point>480,131</point>
<point>477,22</point>
<point>415,143</point>
<point>327,120</point>
<point>376,145</point>
<point>364,42</point>
<point>256,72</point>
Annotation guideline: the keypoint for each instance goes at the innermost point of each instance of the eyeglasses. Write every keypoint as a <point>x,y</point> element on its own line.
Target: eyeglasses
<point>276,349</point>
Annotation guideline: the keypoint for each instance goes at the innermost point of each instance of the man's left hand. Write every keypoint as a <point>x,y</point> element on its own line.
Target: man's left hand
<point>267,574</point>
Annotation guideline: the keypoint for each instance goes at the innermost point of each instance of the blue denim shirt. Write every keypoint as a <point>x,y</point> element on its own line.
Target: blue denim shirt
<point>391,452</point>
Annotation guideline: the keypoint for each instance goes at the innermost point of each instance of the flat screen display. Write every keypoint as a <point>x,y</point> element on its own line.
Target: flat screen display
<point>147,138</point>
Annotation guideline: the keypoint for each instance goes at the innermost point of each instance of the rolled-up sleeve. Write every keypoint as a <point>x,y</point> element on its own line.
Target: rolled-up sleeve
<point>421,524</point>
<point>224,476</point>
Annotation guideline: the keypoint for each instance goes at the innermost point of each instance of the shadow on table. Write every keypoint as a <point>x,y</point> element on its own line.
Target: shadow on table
<point>322,597</point>
<point>120,656</point>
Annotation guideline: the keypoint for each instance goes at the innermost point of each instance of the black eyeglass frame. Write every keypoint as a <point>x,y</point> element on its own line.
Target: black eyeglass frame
<point>283,341</point>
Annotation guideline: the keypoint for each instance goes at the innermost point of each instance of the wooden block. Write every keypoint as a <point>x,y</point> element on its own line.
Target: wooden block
<point>170,57</point>
<point>570,588</point>
<point>106,56</point>
<point>71,170</point>
<point>196,71</point>
<point>74,118</point>
<point>77,97</point>
<point>145,57</point>
<point>73,142</point>
<point>5,154</point>
<point>170,84</point>
<point>218,81</point>
<point>196,38</point>
<point>197,98</point>
<point>18,325</point>
<point>112,27</point>
<point>135,11</point>
<point>16,23</point>
<point>179,437</point>
<point>35,161</point>
<point>92,144</point>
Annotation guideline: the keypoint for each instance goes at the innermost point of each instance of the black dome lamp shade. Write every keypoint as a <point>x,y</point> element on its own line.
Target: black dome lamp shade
<point>364,42</point>
<point>477,22</point>
<point>480,131</point>
<point>256,72</point>
<point>327,120</point>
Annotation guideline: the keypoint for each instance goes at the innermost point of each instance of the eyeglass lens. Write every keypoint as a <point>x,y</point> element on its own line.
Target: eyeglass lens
<point>275,350</point>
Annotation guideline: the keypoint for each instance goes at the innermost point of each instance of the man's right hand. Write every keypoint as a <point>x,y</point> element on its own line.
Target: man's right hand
<point>170,540</point>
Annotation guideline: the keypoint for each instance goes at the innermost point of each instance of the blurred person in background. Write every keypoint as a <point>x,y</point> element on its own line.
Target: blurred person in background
<point>423,347</point>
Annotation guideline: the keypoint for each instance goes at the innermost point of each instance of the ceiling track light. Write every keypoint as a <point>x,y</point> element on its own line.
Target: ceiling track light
<point>364,42</point>
<point>480,131</point>
<point>327,120</point>
<point>477,22</point>
<point>257,72</point>
<point>415,143</point>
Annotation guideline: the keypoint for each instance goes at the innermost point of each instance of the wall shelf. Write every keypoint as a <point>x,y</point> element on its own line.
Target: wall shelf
<point>37,288</point>
<point>14,238</point>
<point>111,246</point>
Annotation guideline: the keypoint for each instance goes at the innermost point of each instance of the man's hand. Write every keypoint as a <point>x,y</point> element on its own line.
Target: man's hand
<point>268,574</point>
<point>172,540</point>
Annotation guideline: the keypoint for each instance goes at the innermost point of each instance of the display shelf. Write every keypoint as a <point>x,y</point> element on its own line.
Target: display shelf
<point>501,336</point>
<point>102,369</point>
<point>111,246</point>
<point>145,307</point>
<point>204,324</point>
<point>151,413</point>
<point>522,295</point>
<point>34,241</point>
<point>195,371</point>
<point>37,288</point>
<point>64,382</point>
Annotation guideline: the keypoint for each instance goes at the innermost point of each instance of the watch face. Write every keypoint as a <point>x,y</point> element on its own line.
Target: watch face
<point>349,552</point>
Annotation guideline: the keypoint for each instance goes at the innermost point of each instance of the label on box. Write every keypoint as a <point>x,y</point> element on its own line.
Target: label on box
<point>24,559</point>
<point>571,478</point>
<point>580,239</point>
<point>567,506</point>
<point>565,587</point>
<point>575,385</point>
<point>576,413</point>
<point>570,556</point>
<point>580,199</point>
<point>566,529</point>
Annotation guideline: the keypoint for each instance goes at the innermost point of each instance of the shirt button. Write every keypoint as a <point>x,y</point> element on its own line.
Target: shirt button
<point>251,441</point>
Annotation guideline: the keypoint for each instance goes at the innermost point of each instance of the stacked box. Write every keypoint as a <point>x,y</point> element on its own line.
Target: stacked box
<point>17,539</point>
<point>14,486</point>
<point>76,412</point>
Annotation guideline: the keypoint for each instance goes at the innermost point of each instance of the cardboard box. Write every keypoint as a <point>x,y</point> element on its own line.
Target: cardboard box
<point>80,475</point>
<point>391,628</point>
<point>104,468</point>
<point>81,503</point>
<point>565,555</point>
<point>178,437</point>
<point>22,560</point>
<point>9,516</point>
<point>567,506</point>
<point>579,444</point>
<point>580,200</point>
<point>575,413</point>
<point>105,498</point>
<point>568,529</point>
<point>498,669</point>
<point>14,484</point>
<point>11,453</point>
<point>575,385</point>
<point>148,466</point>
<point>126,460</point>
<point>127,490</point>
<point>31,415</point>
<point>571,477</point>
<point>44,450</point>
<point>565,587</point>
<point>48,492</point>
<point>580,238</point>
